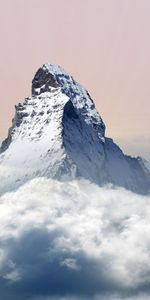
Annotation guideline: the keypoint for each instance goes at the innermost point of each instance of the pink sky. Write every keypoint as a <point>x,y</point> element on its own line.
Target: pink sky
<point>104,44</point>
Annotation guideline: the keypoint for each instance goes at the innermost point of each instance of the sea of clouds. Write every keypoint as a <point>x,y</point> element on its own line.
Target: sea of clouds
<point>74,241</point>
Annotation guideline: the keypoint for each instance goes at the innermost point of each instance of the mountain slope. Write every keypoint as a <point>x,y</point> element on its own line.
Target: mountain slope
<point>58,133</point>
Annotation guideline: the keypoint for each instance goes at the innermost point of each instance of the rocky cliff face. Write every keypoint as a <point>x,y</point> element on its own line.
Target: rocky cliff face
<point>58,133</point>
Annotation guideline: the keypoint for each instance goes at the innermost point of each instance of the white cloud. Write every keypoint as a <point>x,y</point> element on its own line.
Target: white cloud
<point>74,239</point>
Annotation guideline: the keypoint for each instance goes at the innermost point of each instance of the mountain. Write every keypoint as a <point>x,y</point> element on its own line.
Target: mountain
<point>58,133</point>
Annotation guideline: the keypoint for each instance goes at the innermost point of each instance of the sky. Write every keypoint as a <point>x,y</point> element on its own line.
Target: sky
<point>105,45</point>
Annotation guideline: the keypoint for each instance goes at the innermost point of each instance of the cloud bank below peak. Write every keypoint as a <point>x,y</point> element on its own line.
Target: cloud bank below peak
<point>73,241</point>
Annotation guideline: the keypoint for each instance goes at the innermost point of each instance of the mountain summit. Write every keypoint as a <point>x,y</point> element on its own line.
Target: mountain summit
<point>58,133</point>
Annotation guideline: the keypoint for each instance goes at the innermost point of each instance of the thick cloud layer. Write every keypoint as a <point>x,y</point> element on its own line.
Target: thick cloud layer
<point>74,241</point>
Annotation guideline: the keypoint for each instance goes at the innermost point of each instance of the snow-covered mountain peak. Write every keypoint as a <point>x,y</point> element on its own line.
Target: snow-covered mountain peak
<point>54,94</point>
<point>52,78</point>
<point>57,132</point>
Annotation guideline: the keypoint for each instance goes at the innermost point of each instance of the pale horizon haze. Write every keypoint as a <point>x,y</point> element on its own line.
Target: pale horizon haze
<point>105,45</point>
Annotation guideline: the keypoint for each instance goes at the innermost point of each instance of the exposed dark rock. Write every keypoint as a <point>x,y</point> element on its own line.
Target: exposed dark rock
<point>43,81</point>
